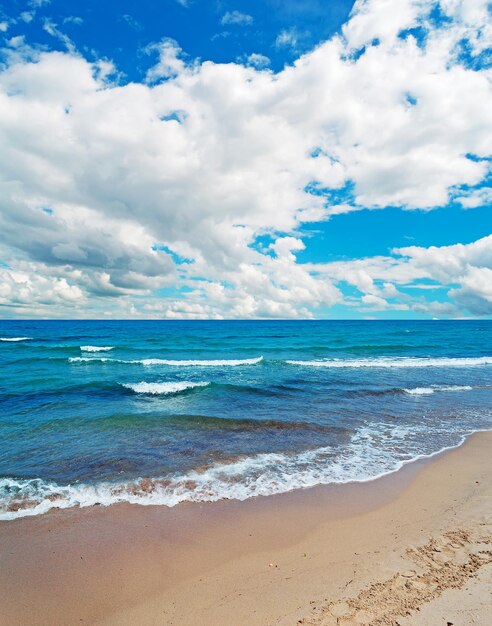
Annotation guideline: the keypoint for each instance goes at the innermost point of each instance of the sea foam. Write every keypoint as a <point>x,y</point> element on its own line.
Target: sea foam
<point>422,391</point>
<point>96,348</point>
<point>362,460</point>
<point>89,359</point>
<point>14,338</point>
<point>172,363</point>
<point>163,388</point>
<point>202,363</point>
<point>399,362</point>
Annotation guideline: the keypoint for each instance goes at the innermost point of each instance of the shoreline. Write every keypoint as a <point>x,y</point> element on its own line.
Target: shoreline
<point>264,560</point>
<point>40,509</point>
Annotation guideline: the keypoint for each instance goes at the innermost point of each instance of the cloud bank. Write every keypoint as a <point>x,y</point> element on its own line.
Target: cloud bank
<point>185,195</point>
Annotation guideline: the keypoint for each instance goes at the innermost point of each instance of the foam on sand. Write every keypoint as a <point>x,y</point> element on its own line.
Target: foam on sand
<point>362,460</point>
<point>163,388</point>
<point>399,362</point>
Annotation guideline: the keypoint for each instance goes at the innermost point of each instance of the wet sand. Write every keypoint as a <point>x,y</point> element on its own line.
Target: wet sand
<point>411,548</point>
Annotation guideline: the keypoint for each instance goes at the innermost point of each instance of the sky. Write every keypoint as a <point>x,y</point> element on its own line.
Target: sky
<point>183,159</point>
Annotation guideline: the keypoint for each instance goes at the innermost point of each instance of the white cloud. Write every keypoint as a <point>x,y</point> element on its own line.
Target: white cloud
<point>73,19</point>
<point>27,16</point>
<point>169,64</point>
<point>287,38</point>
<point>464,270</point>
<point>52,29</point>
<point>132,22</point>
<point>260,61</point>
<point>204,158</point>
<point>236,17</point>
<point>475,292</point>
<point>382,20</point>
<point>476,198</point>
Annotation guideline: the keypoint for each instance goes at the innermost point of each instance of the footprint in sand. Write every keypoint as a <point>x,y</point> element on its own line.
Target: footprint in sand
<point>443,563</point>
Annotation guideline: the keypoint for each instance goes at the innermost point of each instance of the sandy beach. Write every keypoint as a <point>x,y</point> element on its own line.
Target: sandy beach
<point>412,548</point>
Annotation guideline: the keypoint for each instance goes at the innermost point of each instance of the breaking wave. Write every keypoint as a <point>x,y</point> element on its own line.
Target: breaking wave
<point>202,363</point>
<point>423,391</point>
<point>399,362</point>
<point>163,388</point>
<point>89,359</point>
<point>14,338</point>
<point>181,363</point>
<point>96,348</point>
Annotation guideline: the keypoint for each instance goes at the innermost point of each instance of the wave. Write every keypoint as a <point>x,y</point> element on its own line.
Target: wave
<point>265,474</point>
<point>89,359</point>
<point>423,391</point>
<point>399,362</point>
<point>163,388</point>
<point>96,348</point>
<point>174,363</point>
<point>202,363</point>
<point>14,338</point>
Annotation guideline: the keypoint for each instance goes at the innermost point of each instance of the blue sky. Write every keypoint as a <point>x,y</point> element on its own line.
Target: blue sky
<point>245,159</point>
<point>216,31</point>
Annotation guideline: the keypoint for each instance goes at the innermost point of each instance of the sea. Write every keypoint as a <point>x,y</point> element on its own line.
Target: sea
<point>164,412</point>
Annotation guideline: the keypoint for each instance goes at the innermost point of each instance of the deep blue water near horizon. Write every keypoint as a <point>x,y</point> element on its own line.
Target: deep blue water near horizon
<point>166,411</point>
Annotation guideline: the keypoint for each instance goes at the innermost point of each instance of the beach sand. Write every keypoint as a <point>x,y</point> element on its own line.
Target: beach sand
<point>412,548</point>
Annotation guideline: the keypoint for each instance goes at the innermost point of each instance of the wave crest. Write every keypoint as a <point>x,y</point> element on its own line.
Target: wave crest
<point>163,388</point>
<point>89,359</point>
<point>423,391</point>
<point>182,363</point>
<point>202,363</point>
<point>14,338</point>
<point>96,348</point>
<point>399,362</point>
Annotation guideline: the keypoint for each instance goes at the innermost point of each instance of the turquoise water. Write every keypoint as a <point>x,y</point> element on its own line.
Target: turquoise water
<point>175,411</point>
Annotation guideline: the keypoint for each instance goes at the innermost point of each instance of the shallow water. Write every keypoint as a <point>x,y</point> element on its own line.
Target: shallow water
<point>161,412</point>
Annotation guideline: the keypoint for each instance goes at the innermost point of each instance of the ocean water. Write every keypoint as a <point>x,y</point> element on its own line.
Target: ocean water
<point>161,412</point>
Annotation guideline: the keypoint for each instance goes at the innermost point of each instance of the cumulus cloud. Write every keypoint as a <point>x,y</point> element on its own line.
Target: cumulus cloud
<point>105,186</point>
<point>463,270</point>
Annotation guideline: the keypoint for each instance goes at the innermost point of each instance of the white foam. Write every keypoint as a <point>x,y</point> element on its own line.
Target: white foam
<point>96,348</point>
<point>203,363</point>
<point>173,363</point>
<point>363,460</point>
<point>14,338</point>
<point>163,388</point>
<point>399,362</point>
<point>422,391</point>
<point>87,359</point>
<point>419,391</point>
